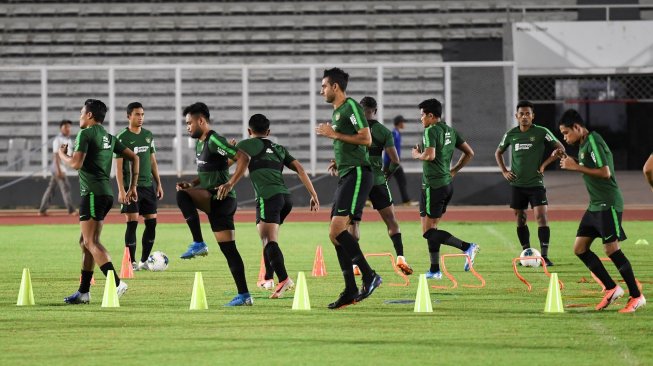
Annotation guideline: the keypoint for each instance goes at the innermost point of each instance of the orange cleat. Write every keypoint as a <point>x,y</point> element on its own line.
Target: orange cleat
<point>610,297</point>
<point>282,287</point>
<point>634,303</point>
<point>403,265</point>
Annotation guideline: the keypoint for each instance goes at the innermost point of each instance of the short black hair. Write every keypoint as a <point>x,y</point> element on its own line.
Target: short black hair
<point>571,117</point>
<point>525,104</point>
<point>197,109</point>
<point>259,123</point>
<point>368,102</point>
<point>337,76</point>
<point>65,122</point>
<point>431,106</point>
<point>132,106</point>
<point>97,109</point>
<point>399,119</point>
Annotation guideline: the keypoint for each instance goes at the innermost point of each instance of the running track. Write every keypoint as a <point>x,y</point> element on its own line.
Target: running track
<point>456,213</point>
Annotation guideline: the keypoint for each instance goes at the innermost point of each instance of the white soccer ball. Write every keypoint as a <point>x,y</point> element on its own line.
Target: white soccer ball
<point>157,261</point>
<point>531,262</point>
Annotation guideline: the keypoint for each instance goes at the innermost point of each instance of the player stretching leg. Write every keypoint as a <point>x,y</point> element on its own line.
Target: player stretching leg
<point>141,142</point>
<point>603,216</point>
<point>211,192</point>
<point>351,136</point>
<point>439,141</point>
<point>94,148</point>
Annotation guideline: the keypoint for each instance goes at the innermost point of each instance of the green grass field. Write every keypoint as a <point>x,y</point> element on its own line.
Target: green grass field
<point>499,324</point>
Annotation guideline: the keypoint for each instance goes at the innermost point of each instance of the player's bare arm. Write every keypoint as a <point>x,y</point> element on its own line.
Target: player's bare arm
<point>128,154</point>
<point>333,168</point>
<point>301,173</point>
<point>648,171</point>
<point>568,163</point>
<point>242,161</point>
<point>466,157</point>
<point>186,185</point>
<point>74,161</point>
<point>362,137</point>
<point>157,177</point>
<point>426,155</point>
<point>498,156</point>
<point>122,194</point>
<point>557,153</point>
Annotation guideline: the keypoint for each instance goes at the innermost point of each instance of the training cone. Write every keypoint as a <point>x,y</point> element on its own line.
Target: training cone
<point>319,270</point>
<point>110,297</point>
<point>301,300</point>
<point>553,297</point>
<point>423,299</point>
<point>261,270</point>
<point>198,298</point>
<point>126,270</point>
<point>641,242</point>
<point>25,294</point>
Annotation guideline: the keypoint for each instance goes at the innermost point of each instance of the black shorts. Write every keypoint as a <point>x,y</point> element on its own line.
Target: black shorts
<point>222,213</point>
<point>433,202</point>
<point>94,207</point>
<point>353,189</point>
<point>146,203</point>
<point>380,196</point>
<point>274,209</point>
<point>522,196</point>
<point>602,224</point>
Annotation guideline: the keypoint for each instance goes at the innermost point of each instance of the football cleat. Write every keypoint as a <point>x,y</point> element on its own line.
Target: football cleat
<point>241,300</point>
<point>403,265</point>
<point>345,299</point>
<point>78,298</point>
<point>122,288</point>
<point>471,252</point>
<point>265,284</point>
<point>610,297</point>
<point>433,275</point>
<point>633,304</point>
<point>195,249</point>
<point>282,287</point>
<point>369,287</point>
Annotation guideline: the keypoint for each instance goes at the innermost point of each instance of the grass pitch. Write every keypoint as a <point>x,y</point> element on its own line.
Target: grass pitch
<point>499,324</point>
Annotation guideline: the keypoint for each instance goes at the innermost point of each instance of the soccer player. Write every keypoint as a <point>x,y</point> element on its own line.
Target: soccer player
<point>603,216</point>
<point>351,136</point>
<point>273,200</point>
<point>527,171</point>
<point>380,196</point>
<point>141,142</point>
<point>439,141</point>
<point>93,152</point>
<point>648,170</point>
<point>58,170</point>
<point>211,192</point>
<point>398,174</point>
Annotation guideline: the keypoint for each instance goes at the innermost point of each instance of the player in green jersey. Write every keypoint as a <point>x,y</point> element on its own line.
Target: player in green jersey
<point>93,152</point>
<point>351,136</point>
<point>648,170</point>
<point>528,143</point>
<point>273,200</point>
<point>141,142</point>
<point>439,142</point>
<point>212,193</point>
<point>603,216</point>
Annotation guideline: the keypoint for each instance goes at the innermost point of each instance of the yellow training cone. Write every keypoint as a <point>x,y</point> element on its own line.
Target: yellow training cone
<point>198,298</point>
<point>301,300</point>
<point>110,297</point>
<point>641,242</point>
<point>25,294</point>
<point>553,297</point>
<point>423,299</point>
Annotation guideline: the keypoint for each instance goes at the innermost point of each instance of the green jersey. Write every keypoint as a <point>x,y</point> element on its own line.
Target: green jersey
<point>266,165</point>
<point>604,193</point>
<point>381,138</point>
<point>212,157</point>
<point>527,152</point>
<point>142,144</point>
<point>99,147</point>
<point>437,172</point>
<point>348,119</point>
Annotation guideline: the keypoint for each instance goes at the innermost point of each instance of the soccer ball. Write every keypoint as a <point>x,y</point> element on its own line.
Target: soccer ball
<point>530,252</point>
<point>157,261</point>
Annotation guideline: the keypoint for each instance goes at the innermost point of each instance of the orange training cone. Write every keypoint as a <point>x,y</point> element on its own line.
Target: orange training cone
<point>319,270</point>
<point>126,270</point>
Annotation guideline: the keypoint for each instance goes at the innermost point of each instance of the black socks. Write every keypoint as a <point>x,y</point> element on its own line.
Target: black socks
<point>593,263</point>
<point>276,260</point>
<point>398,244</point>
<point>626,270</point>
<point>346,266</point>
<point>524,236</point>
<point>85,283</point>
<point>351,247</point>
<point>189,211</point>
<point>544,234</point>
<point>148,239</point>
<point>130,238</point>
<point>236,265</point>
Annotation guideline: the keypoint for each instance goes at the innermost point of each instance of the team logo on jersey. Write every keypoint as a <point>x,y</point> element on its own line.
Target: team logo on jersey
<point>532,138</point>
<point>352,118</point>
<point>140,149</point>
<point>548,138</point>
<point>106,145</point>
<point>447,138</point>
<point>147,139</point>
<point>337,116</point>
<point>269,151</point>
<point>222,152</point>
